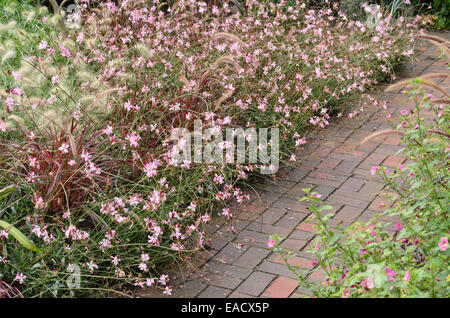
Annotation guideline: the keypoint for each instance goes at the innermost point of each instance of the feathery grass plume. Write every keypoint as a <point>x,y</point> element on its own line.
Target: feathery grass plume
<point>90,43</point>
<point>106,23</point>
<point>435,75</point>
<point>43,10</point>
<point>60,90</point>
<point>142,49</point>
<point>223,98</point>
<point>9,9</point>
<point>19,122</point>
<point>101,100</point>
<point>51,118</point>
<point>381,133</point>
<point>441,43</point>
<point>107,92</point>
<point>73,145</point>
<point>227,59</point>
<point>7,27</point>
<point>25,68</point>
<point>70,45</point>
<point>86,76</point>
<point>173,10</point>
<point>443,47</point>
<point>118,62</point>
<point>94,105</point>
<point>185,82</point>
<point>28,15</point>
<point>31,77</point>
<point>434,86</point>
<point>20,34</point>
<point>34,100</point>
<point>228,36</point>
<point>54,5</point>
<point>442,101</point>
<point>126,76</point>
<point>61,6</point>
<point>205,75</point>
<point>5,50</point>
<point>408,83</point>
<point>28,84</point>
<point>87,99</point>
<point>432,38</point>
<point>57,18</point>
<point>9,54</point>
<point>80,66</point>
<point>105,28</point>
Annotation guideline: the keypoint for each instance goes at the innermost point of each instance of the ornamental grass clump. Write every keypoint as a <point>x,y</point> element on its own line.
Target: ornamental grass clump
<point>88,115</point>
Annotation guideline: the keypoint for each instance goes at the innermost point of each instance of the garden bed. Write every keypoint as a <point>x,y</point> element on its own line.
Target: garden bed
<point>90,105</point>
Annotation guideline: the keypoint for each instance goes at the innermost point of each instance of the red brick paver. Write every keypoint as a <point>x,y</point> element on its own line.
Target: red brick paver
<point>282,287</point>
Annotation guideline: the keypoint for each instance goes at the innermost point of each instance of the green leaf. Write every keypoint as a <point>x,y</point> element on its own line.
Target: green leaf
<point>22,239</point>
<point>7,191</point>
<point>325,207</point>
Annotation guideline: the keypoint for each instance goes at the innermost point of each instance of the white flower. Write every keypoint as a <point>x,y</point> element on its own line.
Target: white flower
<point>64,148</point>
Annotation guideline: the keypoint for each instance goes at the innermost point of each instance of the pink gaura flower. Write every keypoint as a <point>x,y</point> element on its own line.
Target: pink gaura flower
<point>20,277</point>
<point>407,276</point>
<point>43,45</point>
<point>271,243</point>
<point>443,243</point>
<point>64,148</point>
<point>391,274</point>
<point>346,293</point>
<point>168,291</point>
<point>65,52</point>
<point>404,112</point>
<point>17,91</point>
<point>374,169</point>
<point>368,283</point>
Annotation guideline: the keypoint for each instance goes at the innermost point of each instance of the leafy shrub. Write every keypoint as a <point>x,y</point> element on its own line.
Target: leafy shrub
<point>366,259</point>
<point>87,119</point>
<point>440,10</point>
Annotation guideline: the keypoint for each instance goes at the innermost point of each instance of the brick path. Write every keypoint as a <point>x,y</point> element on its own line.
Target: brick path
<point>334,164</point>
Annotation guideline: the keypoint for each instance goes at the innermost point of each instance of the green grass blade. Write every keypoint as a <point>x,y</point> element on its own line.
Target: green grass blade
<point>7,191</point>
<point>19,236</point>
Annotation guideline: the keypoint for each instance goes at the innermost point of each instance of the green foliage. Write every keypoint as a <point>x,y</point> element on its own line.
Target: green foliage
<point>22,239</point>
<point>370,259</point>
<point>19,236</point>
<point>440,9</point>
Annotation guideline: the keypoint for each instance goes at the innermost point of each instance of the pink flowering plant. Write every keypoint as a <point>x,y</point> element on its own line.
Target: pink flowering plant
<point>408,258</point>
<point>89,108</point>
